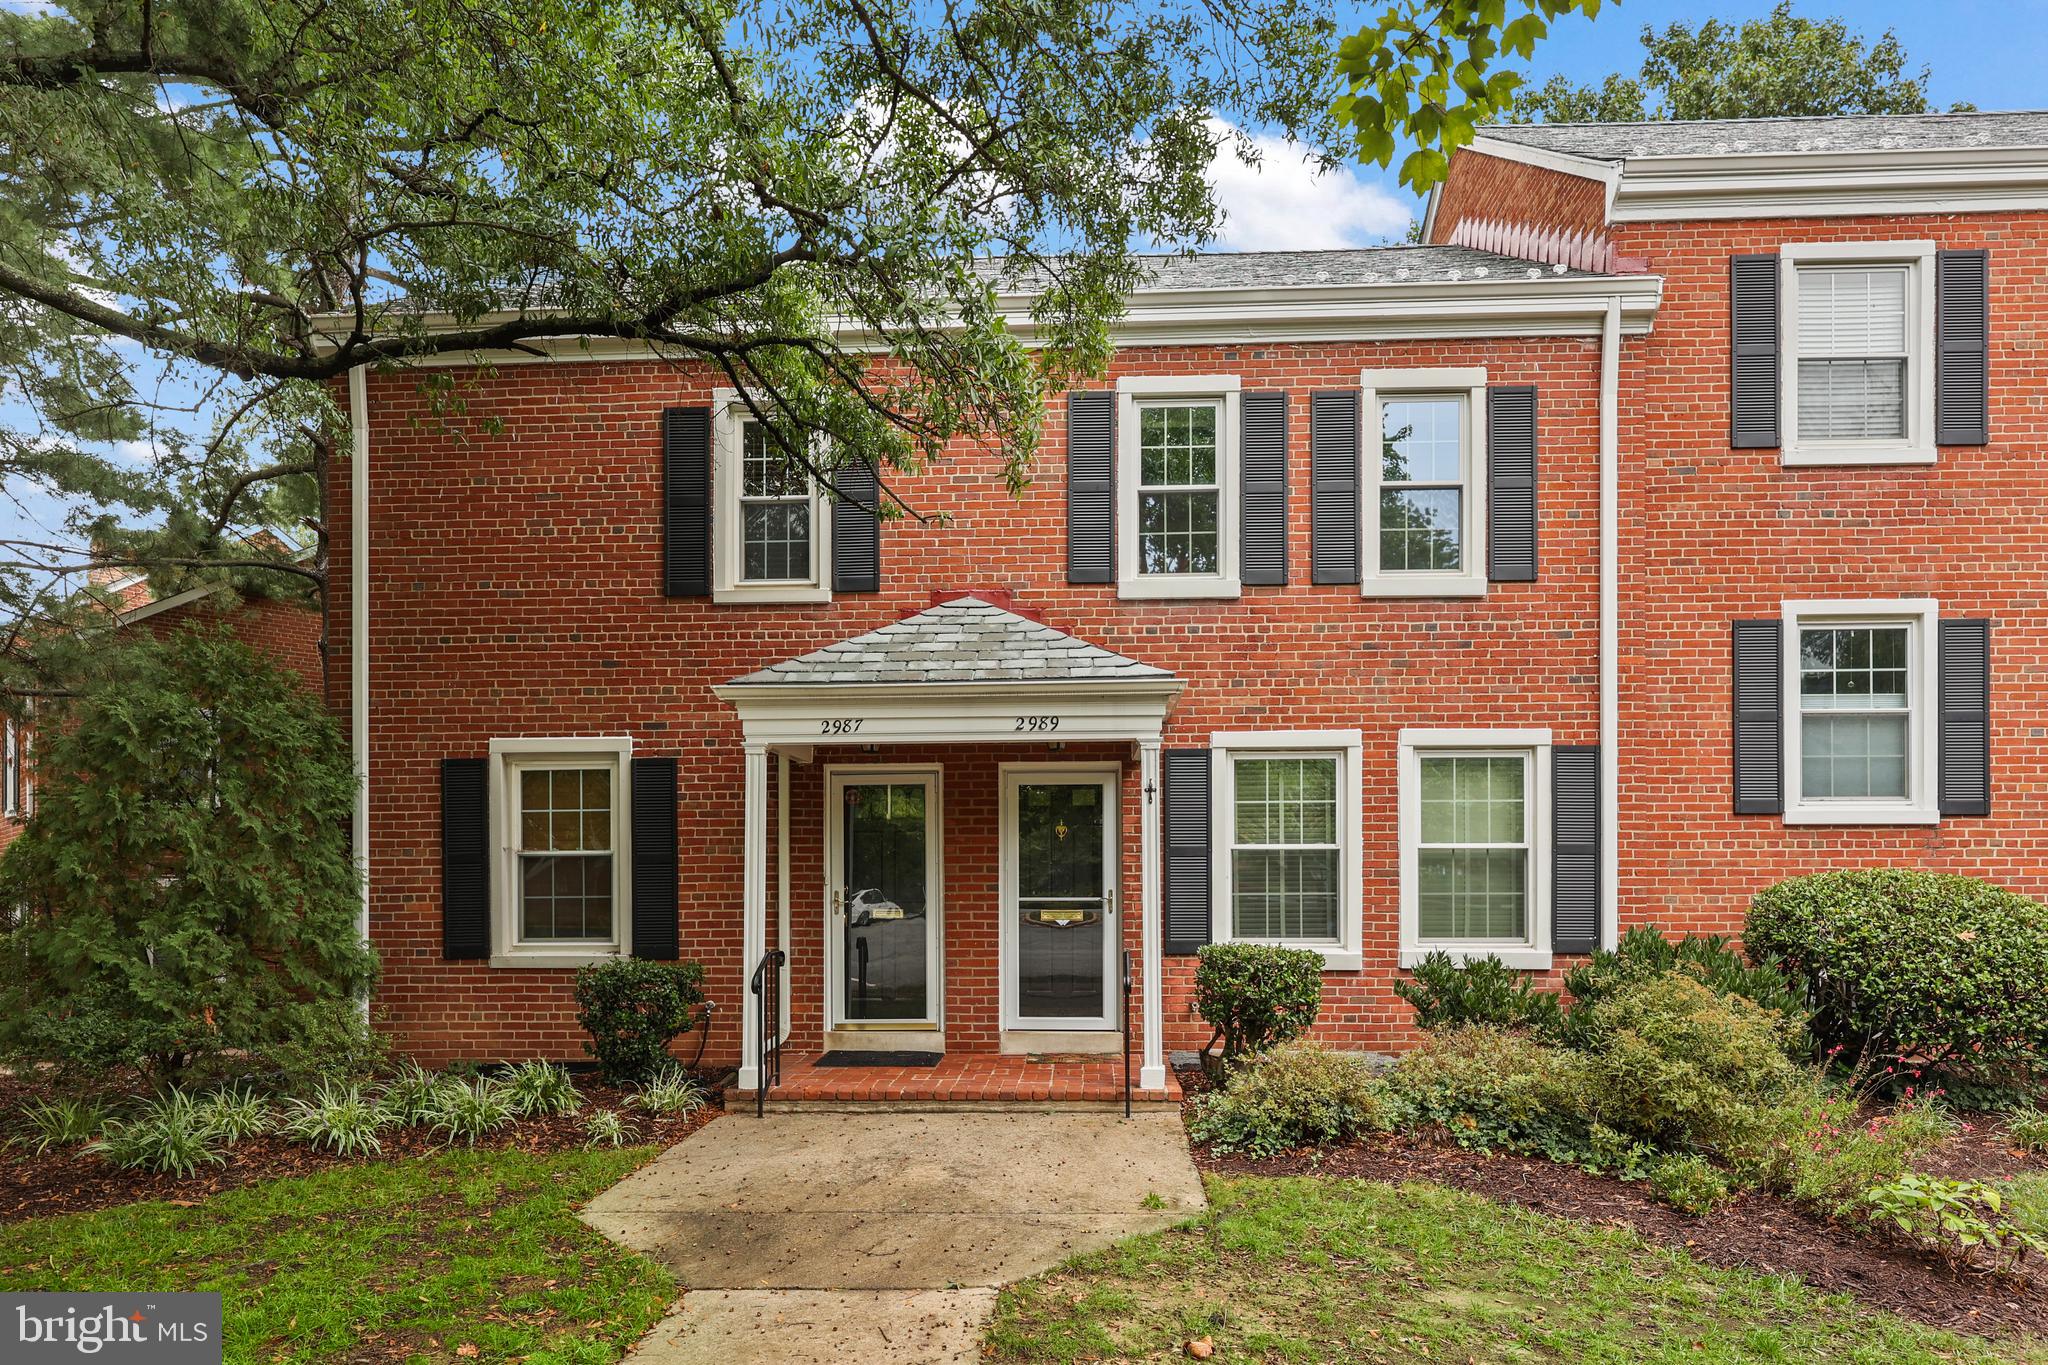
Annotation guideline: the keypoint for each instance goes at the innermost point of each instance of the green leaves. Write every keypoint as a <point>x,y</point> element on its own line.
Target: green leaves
<point>1425,71</point>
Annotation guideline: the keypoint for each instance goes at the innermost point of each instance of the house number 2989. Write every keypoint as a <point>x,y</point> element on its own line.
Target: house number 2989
<point>1037,724</point>
<point>838,725</point>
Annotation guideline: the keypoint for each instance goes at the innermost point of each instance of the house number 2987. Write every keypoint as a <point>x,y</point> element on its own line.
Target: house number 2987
<point>1037,724</point>
<point>838,725</point>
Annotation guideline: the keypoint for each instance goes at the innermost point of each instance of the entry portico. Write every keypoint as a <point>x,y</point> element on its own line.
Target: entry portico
<point>965,673</point>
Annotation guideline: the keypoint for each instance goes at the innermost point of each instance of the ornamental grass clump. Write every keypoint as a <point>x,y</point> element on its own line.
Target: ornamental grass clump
<point>469,1113</point>
<point>533,1089</point>
<point>49,1124</point>
<point>1298,1095</point>
<point>606,1128</point>
<point>170,1134</point>
<point>339,1118</point>
<point>672,1094</point>
<point>236,1113</point>
<point>413,1094</point>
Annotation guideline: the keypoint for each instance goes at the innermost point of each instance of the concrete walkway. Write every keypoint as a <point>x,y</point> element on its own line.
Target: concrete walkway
<point>882,1236</point>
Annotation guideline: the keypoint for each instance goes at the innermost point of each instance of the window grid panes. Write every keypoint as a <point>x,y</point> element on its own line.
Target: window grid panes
<point>1473,848</point>
<point>10,769</point>
<point>565,848</point>
<point>1855,712</point>
<point>775,512</point>
<point>1285,865</point>
<point>1853,352</point>
<point>1422,478</point>
<point>1179,499</point>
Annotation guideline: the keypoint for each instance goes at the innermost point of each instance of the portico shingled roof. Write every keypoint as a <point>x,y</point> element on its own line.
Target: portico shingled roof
<point>965,640</point>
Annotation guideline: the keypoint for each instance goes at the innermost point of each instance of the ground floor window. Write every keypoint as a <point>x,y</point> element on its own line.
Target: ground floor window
<point>1473,817</point>
<point>562,835</point>
<point>1859,748</point>
<point>1287,839</point>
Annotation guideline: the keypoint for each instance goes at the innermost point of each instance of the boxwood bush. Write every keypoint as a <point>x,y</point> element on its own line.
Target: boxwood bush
<point>1297,1095</point>
<point>632,1009</point>
<point>1901,966</point>
<point>1257,996</point>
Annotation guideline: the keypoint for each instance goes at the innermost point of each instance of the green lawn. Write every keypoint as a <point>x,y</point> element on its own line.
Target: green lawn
<point>1313,1270</point>
<point>390,1260</point>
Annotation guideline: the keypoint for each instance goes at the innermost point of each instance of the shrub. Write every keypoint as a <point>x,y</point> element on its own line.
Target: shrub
<point>169,1135</point>
<point>1812,1145</point>
<point>413,1094</point>
<point>540,1088</point>
<point>339,1118</point>
<point>2027,1129</point>
<point>1670,1061</point>
<point>1689,1183</point>
<point>190,897</point>
<point>58,1123</point>
<point>1491,1089</point>
<point>632,1008</point>
<point>237,1113</point>
<point>1298,1095</point>
<point>672,1093</point>
<point>606,1128</point>
<point>1447,995</point>
<point>1257,996</point>
<point>1644,952</point>
<point>1963,1220</point>
<point>1904,965</point>
<point>469,1112</point>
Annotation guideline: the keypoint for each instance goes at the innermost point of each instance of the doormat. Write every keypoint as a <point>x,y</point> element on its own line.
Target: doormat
<point>843,1058</point>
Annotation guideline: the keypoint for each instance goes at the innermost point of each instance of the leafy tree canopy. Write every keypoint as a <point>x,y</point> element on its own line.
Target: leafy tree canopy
<point>185,872</point>
<point>1782,65</point>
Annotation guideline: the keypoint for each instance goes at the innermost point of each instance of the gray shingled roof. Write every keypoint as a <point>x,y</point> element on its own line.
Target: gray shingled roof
<point>1734,137</point>
<point>1354,266</point>
<point>962,641</point>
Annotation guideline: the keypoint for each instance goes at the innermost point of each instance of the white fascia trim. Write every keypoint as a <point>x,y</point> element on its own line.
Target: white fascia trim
<point>1918,446</point>
<point>1347,953</point>
<point>1531,954</point>
<point>171,603</point>
<point>506,950</point>
<point>1468,381</point>
<point>1923,737</point>
<point>1131,585</point>
<point>729,416</point>
<point>1816,184</point>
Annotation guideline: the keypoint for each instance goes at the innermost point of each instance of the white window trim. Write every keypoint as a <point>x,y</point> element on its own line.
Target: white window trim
<point>1917,447</point>
<point>1132,390</point>
<point>14,760</point>
<point>1468,382</point>
<point>507,757</point>
<point>1531,954</point>
<point>1345,953</point>
<point>1923,735</point>
<point>728,424</point>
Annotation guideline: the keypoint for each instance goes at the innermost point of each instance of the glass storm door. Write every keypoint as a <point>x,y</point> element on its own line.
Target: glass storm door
<point>881,904</point>
<point>1063,910</point>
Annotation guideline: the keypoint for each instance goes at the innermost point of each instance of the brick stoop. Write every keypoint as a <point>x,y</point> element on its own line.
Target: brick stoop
<point>968,1078</point>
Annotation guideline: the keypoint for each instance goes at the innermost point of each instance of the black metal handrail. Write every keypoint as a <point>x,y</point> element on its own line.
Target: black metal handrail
<point>1127,1033</point>
<point>767,988</point>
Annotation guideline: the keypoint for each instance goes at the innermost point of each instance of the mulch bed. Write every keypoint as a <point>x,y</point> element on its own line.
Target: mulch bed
<point>1751,1231</point>
<point>70,1181</point>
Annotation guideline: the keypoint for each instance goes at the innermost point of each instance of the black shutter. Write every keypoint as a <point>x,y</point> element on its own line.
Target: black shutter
<point>1333,487</point>
<point>1511,483</point>
<point>1091,487</point>
<point>1759,718</point>
<point>686,501</point>
<point>1575,848</point>
<point>857,529</point>
<point>1965,688</point>
<point>465,858</point>
<point>1753,352</point>
<point>654,858</point>
<point>1262,496</point>
<point>1184,819</point>
<point>1962,358</point>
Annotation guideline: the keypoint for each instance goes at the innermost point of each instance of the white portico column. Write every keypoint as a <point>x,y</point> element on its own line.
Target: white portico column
<point>753,910</point>
<point>1152,1074</point>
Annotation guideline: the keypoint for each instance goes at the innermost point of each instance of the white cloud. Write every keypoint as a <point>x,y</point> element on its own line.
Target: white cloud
<point>1286,203</point>
<point>35,8</point>
<point>142,452</point>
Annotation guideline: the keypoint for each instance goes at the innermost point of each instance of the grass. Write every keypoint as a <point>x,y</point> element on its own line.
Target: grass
<point>1316,1270</point>
<point>424,1257</point>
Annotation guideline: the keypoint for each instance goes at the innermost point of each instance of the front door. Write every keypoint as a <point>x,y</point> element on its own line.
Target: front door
<point>1060,898</point>
<point>884,899</point>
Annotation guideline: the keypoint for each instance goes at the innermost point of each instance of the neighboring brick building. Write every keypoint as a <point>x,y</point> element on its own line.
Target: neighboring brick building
<point>1297,634</point>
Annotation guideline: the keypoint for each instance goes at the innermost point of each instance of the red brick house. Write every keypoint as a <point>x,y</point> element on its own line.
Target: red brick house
<point>1659,528</point>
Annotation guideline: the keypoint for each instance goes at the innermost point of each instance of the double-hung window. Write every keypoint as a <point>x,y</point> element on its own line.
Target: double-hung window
<point>1859,745</point>
<point>771,527</point>
<point>1286,841</point>
<point>1424,484</point>
<point>1177,476</point>
<point>1474,822</point>
<point>13,769</point>
<point>562,869</point>
<point>1858,344</point>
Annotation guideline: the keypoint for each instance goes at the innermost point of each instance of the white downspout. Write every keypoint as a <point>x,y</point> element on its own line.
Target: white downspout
<point>359,634</point>
<point>1610,624</point>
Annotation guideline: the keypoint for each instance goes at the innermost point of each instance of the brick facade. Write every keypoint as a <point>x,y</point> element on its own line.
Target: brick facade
<point>1494,189</point>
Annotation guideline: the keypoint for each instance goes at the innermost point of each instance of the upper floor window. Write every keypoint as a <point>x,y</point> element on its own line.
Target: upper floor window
<point>13,769</point>
<point>1177,455</point>
<point>771,527</point>
<point>1473,823</point>
<point>1425,495</point>
<point>561,875</point>
<point>1859,744</point>
<point>1858,344</point>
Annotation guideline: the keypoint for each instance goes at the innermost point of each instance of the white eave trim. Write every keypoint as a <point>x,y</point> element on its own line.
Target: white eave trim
<point>784,715</point>
<point>175,600</point>
<point>1831,184</point>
